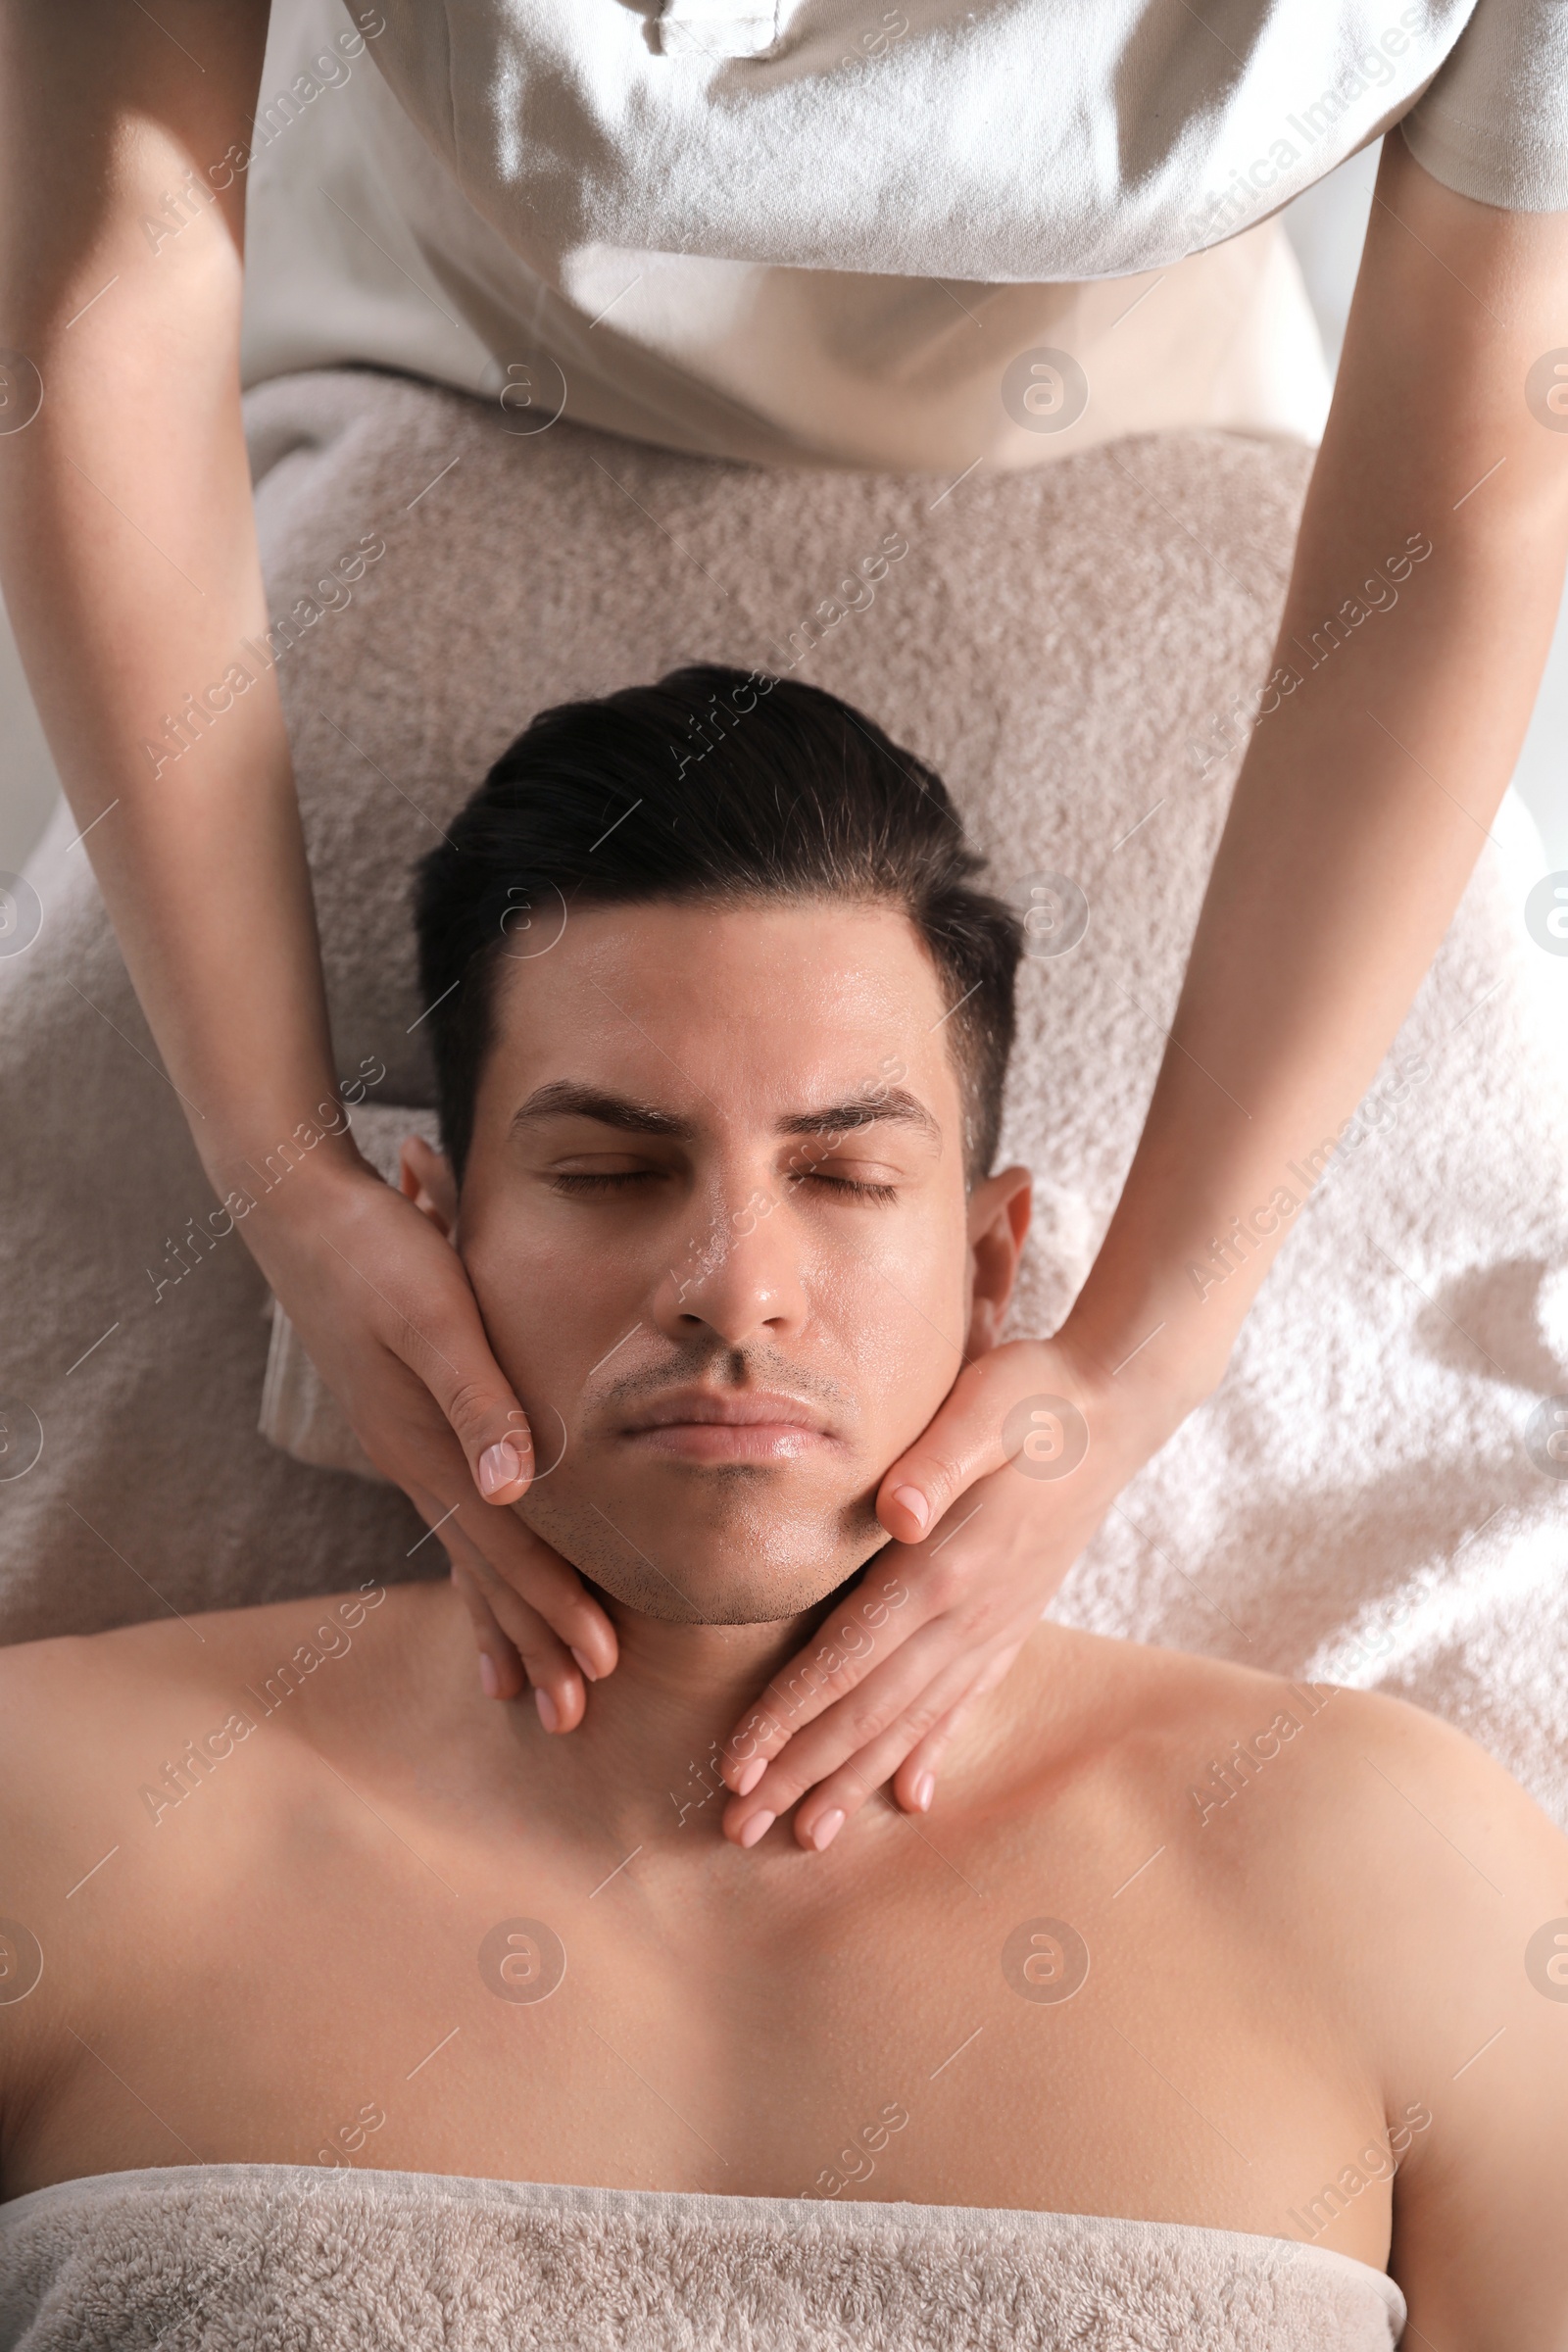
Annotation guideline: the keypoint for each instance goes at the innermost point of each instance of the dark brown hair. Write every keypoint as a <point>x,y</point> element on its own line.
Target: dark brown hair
<point>715,783</point>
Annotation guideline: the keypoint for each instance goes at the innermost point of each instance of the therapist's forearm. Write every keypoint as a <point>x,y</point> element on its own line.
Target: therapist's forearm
<point>129,545</point>
<point>1365,795</point>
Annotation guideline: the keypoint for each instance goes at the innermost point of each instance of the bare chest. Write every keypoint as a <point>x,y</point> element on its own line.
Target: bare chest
<point>925,2013</point>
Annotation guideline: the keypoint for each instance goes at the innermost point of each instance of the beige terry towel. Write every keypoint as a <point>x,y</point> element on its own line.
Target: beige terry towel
<point>283,2258</point>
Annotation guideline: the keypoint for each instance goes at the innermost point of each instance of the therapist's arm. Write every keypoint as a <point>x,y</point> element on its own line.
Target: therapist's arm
<point>127,544</point>
<point>1362,802</point>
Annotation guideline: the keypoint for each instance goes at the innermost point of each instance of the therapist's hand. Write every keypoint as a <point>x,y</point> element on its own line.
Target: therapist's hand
<point>386,1312</point>
<point>1013,1477</point>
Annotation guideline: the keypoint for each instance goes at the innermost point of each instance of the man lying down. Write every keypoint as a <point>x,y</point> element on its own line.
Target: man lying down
<point>1077,2058</point>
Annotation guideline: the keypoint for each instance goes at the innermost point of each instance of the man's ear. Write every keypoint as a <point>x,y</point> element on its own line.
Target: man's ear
<point>424,1177</point>
<point>999,1220</point>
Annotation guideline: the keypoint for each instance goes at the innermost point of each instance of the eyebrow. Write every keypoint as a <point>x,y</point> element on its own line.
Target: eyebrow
<point>565,1097</point>
<point>864,1110</point>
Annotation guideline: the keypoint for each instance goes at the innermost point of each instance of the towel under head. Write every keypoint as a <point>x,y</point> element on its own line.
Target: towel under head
<point>282,2258</point>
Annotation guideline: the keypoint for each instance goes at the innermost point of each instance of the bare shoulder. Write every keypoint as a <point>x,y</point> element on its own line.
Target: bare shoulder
<point>79,1715</point>
<point>1400,1818</point>
<point>1393,1879</point>
<point>1455,1915</point>
<point>66,1705</point>
<point>106,1740</point>
<point>1360,1770</point>
<point>150,1776</point>
<point>1389,1850</point>
<point>149,1708</point>
<point>1366,1813</point>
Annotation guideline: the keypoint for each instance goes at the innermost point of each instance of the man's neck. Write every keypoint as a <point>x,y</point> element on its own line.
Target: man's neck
<point>646,1755</point>
<point>660,1721</point>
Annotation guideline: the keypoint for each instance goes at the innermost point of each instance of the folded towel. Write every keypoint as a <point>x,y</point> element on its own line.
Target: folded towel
<point>282,2258</point>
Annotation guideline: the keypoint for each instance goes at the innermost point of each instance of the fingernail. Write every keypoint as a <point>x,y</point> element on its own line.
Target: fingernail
<point>750,1774</point>
<point>914,1503</point>
<point>548,1714</point>
<point>489,1679</point>
<point>589,1673</point>
<point>758,1826</point>
<point>925,1788</point>
<point>826,1829</point>
<point>497,1466</point>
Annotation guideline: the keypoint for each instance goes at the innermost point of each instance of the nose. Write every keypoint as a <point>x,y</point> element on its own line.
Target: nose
<point>740,1278</point>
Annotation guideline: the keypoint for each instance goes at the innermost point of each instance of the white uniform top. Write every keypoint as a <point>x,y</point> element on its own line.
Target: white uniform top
<point>834,231</point>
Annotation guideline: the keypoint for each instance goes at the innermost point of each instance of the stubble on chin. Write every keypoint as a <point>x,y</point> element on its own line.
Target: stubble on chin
<point>772,1567</point>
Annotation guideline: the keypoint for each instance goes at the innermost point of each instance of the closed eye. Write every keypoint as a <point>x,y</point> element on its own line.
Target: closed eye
<point>585,1184</point>
<point>579,1183</point>
<point>850,1187</point>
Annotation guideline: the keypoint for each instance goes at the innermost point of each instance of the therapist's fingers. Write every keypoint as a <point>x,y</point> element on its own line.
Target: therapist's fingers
<point>537,1597</point>
<point>441,1337</point>
<point>970,1436</point>
<point>502,1623</point>
<point>877,1618</point>
<point>451,1355</point>
<point>384,1307</point>
<point>835,1800</point>
<point>517,1641</point>
<point>502,1673</point>
<point>904,1697</point>
<point>836,1794</point>
<point>983,1566</point>
<point>941,1587</point>
<point>914,1782</point>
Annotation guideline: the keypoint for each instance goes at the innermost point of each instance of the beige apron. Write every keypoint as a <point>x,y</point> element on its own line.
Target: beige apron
<point>362,246</point>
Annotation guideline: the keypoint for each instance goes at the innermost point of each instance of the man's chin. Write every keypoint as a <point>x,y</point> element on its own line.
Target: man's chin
<point>739,1560</point>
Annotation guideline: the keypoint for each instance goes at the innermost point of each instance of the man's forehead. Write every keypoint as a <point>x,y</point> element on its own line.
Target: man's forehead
<point>799,1018</point>
<point>760,959</point>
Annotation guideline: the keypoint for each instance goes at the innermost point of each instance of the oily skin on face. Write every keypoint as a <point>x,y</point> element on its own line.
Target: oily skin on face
<point>715,1217</point>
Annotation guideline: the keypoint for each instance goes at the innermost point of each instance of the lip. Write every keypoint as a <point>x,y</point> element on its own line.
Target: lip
<point>708,1425</point>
